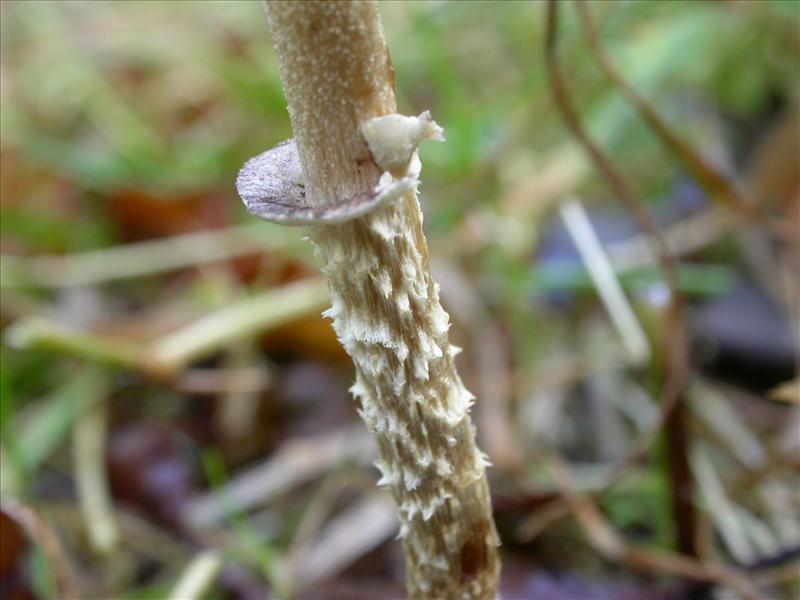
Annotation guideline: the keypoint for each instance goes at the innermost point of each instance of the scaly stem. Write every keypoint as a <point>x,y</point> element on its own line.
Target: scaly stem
<point>337,73</point>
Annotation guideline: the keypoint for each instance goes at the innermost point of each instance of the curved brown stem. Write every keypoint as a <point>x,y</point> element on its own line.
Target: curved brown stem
<point>675,340</point>
<point>707,174</point>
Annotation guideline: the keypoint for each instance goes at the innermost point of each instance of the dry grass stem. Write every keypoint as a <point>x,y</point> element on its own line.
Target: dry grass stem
<point>89,445</point>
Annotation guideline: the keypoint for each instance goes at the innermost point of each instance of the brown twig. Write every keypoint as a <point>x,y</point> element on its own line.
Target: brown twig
<point>707,174</point>
<point>607,541</point>
<point>675,340</point>
<point>44,536</point>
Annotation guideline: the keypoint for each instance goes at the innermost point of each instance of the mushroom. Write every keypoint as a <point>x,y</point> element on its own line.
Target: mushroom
<point>351,175</point>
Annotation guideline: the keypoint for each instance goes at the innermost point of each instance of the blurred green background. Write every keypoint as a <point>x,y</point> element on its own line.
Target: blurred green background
<point>124,124</point>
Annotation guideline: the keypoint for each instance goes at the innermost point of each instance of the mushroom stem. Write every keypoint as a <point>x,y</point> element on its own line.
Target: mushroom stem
<point>337,75</point>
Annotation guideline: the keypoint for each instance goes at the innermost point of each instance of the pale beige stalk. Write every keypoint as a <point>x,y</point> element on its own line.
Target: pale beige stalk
<point>337,74</point>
